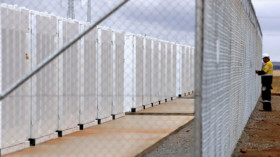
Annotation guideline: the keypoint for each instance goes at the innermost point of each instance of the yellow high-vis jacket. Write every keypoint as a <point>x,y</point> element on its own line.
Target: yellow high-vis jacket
<point>268,68</point>
<point>267,74</point>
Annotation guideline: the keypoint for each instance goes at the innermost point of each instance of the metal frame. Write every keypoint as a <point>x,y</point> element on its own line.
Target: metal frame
<point>199,49</point>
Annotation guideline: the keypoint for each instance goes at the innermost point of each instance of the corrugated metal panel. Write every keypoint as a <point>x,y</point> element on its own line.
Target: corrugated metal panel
<point>155,71</point>
<point>88,77</point>
<point>105,75</point>
<point>118,72</point>
<point>68,78</point>
<point>15,109</point>
<point>147,84</point>
<point>44,83</point>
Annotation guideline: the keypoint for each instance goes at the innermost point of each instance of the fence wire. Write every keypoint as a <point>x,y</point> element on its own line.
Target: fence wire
<point>140,57</point>
<point>228,50</point>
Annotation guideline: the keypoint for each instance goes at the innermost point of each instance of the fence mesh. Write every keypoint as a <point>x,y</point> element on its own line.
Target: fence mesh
<point>139,57</point>
<point>228,50</point>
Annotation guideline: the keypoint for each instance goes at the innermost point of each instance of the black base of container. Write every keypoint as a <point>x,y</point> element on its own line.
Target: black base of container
<point>81,126</point>
<point>59,133</point>
<point>133,109</point>
<point>32,141</point>
<point>113,117</point>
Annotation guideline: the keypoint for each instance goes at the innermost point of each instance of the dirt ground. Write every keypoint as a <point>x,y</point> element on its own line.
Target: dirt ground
<point>261,136</point>
<point>276,82</point>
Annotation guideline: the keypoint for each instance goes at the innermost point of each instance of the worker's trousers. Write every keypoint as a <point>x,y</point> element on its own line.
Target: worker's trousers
<point>266,96</point>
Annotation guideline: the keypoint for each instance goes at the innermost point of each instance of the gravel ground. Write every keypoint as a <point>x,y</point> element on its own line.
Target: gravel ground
<point>261,136</point>
<point>179,144</point>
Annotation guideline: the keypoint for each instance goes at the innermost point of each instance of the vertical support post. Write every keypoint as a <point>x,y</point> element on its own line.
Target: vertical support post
<point>199,49</point>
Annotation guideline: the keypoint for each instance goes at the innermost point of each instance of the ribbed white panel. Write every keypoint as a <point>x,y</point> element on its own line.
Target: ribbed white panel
<point>174,70</point>
<point>129,73</point>
<point>105,74</point>
<point>185,69</point>
<point>169,72</point>
<point>88,77</point>
<point>155,71</point>
<point>163,71</point>
<point>118,72</point>
<point>15,109</point>
<point>147,80</point>
<point>139,52</point>
<point>45,83</point>
<point>68,77</point>
<point>179,52</point>
<point>191,68</point>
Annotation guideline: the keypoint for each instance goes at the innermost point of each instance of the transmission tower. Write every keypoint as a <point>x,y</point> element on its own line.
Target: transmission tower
<point>70,11</point>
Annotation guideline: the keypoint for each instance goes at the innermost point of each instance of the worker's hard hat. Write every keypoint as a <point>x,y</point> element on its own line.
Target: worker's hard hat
<point>265,55</point>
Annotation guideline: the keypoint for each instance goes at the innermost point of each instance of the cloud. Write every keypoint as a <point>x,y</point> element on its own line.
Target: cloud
<point>268,14</point>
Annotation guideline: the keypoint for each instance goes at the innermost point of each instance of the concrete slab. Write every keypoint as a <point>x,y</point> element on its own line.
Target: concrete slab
<point>174,107</point>
<point>125,137</point>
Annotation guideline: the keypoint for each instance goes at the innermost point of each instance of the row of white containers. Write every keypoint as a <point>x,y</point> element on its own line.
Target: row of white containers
<point>106,73</point>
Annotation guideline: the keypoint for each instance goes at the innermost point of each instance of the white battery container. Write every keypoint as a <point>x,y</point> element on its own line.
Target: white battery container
<point>118,73</point>
<point>105,74</point>
<point>88,78</point>
<point>68,108</point>
<point>44,41</point>
<point>15,63</point>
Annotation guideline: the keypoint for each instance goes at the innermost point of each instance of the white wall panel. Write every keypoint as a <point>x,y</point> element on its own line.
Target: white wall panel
<point>139,49</point>
<point>174,70</point>
<point>179,70</point>
<point>105,74</point>
<point>192,70</point>
<point>129,73</point>
<point>118,72</point>
<point>185,70</point>
<point>155,71</point>
<point>68,77</point>
<point>184,82</point>
<point>44,83</point>
<point>163,71</point>
<point>169,72</point>
<point>147,77</point>
<point>88,77</point>
<point>15,109</point>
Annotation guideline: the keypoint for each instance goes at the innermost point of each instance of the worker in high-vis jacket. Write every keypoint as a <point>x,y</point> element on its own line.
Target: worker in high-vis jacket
<point>267,76</point>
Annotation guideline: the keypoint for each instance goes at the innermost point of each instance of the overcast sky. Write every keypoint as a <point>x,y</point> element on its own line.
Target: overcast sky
<point>171,20</point>
<point>268,13</point>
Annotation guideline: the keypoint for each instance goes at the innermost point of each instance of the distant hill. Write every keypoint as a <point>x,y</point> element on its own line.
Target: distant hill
<point>276,65</point>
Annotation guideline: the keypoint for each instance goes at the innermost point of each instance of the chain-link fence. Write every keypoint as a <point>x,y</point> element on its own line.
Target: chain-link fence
<point>228,50</point>
<point>139,57</point>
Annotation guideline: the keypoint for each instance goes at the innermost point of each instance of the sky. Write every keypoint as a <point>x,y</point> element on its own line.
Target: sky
<point>171,20</point>
<point>268,13</point>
